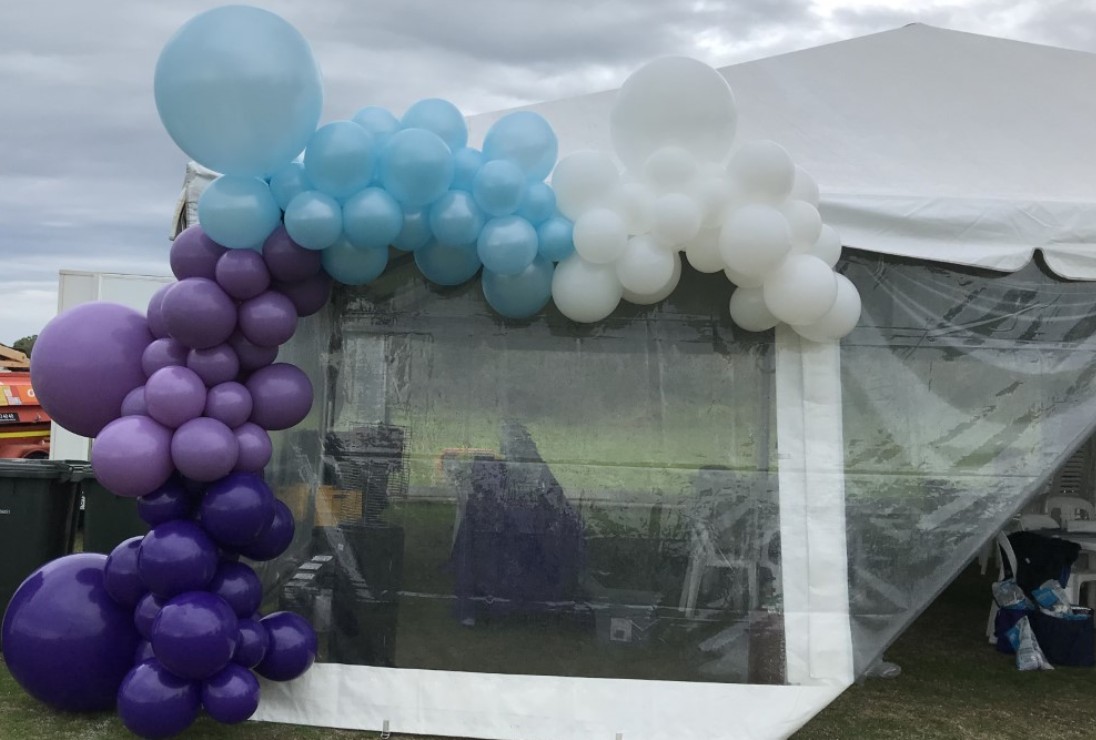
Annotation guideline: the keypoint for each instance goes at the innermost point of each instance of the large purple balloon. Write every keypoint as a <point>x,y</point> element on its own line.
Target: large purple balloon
<point>174,396</point>
<point>145,614</point>
<point>268,319</point>
<point>120,577</point>
<point>281,396</point>
<point>84,363</point>
<point>229,403</point>
<point>194,635</point>
<point>292,647</point>
<point>308,295</point>
<point>255,448</point>
<point>198,313</point>
<point>236,510</point>
<point>252,642</point>
<point>162,353</point>
<point>144,652</point>
<point>288,261</point>
<point>134,403</point>
<point>168,502</point>
<point>239,586</point>
<point>175,557</point>
<point>204,449</point>
<point>154,703</point>
<point>217,364</point>
<point>242,273</point>
<point>65,640</point>
<point>155,312</point>
<point>193,254</point>
<point>132,456</point>
<point>275,540</point>
<point>232,695</point>
<point>251,355</point>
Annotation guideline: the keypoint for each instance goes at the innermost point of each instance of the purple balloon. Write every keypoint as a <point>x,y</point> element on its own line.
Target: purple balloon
<point>194,635</point>
<point>134,403</point>
<point>193,254</point>
<point>251,355</point>
<point>242,273</point>
<point>216,364</point>
<point>198,313</point>
<point>144,614</point>
<point>175,557</point>
<point>236,510</point>
<point>162,353</point>
<point>174,396</point>
<point>204,449</point>
<point>252,642</point>
<point>275,540</point>
<point>308,295</point>
<point>238,585</point>
<point>155,312</point>
<point>120,577</point>
<point>288,261</point>
<point>269,319</point>
<point>65,640</point>
<point>292,647</point>
<point>84,363</point>
<point>168,502</point>
<point>229,403</point>
<point>144,652</point>
<point>132,456</point>
<point>281,396</point>
<point>232,695</point>
<point>255,448</point>
<point>154,703</point>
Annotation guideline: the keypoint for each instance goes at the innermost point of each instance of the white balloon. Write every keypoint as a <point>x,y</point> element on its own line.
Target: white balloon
<point>662,293</point>
<point>715,195</point>
<point>600,235</point>
<point>673,101</point>
<point>703,252</point>
<point>670,169</point>
<point>804,187</point>
<point>743,281</point>
<point>805,224</point>
<point>635,203</point>
<point>677,219</point>
<point>585,292</point>
<point>584,180</point>
<point>828,246</point>
<point>748,310</point>
<point>801,290</point>
<point>764,170</point>
<point>754,239</point>
<point>646,266</point>
<point>840,319</point>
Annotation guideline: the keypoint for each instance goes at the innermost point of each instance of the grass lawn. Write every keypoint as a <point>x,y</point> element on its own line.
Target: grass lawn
<point>953,686</point>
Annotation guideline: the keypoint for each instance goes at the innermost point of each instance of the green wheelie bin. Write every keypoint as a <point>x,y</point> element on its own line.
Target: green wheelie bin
<point>108,519</point>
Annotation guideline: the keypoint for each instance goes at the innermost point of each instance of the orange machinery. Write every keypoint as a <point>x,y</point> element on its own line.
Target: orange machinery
<point>24,424</point>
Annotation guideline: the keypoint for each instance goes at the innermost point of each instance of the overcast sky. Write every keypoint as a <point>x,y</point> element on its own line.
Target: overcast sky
<point>89,178</point>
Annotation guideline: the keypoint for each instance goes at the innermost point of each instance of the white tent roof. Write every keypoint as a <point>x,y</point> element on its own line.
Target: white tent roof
<point>925,142</point>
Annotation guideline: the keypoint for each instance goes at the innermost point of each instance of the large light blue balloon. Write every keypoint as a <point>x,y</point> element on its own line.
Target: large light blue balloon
<point>377,121</point>
<point>538,204</point>
<point>416,167</point>
<point>238,212</point>
<point>555,239</point>
<point>238,90</point>
<point>289,182</point>
<point>456,219</point>
<point>499,187</point>
<point>415,233</point>
<point>350,265</point>
<point>445,265</point>
<point>339,159</point>
<point>314,220</point>
<point>525,139</point>
<point>372,219</point>
<point>522,295</point>
<point>441,117</point>
<point>466,163</point>
<point>507,245</point>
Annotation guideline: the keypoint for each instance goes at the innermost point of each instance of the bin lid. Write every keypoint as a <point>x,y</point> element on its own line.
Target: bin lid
<point>20,468</point>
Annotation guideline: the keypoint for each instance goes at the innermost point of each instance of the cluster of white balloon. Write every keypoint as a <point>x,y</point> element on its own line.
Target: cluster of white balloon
<point>745,210</point>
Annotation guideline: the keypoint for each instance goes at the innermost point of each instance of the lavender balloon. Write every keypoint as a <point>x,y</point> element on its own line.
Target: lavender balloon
<point>155,313</point>
<point>154,703</point>
<point>168,502</point>
<point>281,396</point>
<point>193,254</point>
<point>232,695</point>
<point>230,404</point>
<point>250,355</point>
<point>252,641</point>
<point>292,649</point>
<point>162,353</point>
<point>144,614</point>
<point>276,539</point>
<point>134,403</point>
<point>239,586</point>
<point>242,274</point>
<point>236,510</point>
<point>288,261</point>
<point>194,635</point>
<point>268,319</point>
<point>132,456</point>
<point>204,449</point>
<point>255,448</point>
<point>174,396</point>
<point>198,313</point>
<point>176,557</point>
<point>216,364</point>
<point>309,295</point>
<point>120,577</point>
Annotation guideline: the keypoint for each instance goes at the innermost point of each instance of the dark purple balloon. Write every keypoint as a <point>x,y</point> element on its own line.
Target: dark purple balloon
<point>308,295</point>
<point>236,510</point>
<point>134,403</point>
<point>168,502</point>
<point>194,635</point>
<point>232,695</point>
<point>198,313</point>
<point>155,313</point>
<point>292,647</point>
<point>242,273</point>
<point>85,362</point>
<point>154,703</point>
<point>255,448</point>
<point>120,577</point>
<point>288,261</point>
<point>193,254</point>
<point>251,643</point>
<point>65,640</point>
<point>229,403</point>
<point>132,456</point>
<point>145,614</point>
<point>204,449</point>
<point>275,540</point>
<point>176,557</point>
<point>144,652</point>
<point>216,364</point>
<point>251,355</point>
<point>174,396</point>
<point>162,353</point>
<point>268,319</point>
<point>281,396</point>
<point>239,586</point>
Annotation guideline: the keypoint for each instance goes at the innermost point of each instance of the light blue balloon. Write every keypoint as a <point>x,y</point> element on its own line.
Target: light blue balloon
<point>339,159</point>
<point>289,182</point>
<point>466,163</point>
<point>238,90</point>
<point>416,167</point>
<point>314,220</point>
<point>350,265</point>
<point>415,233</point>
<point>446,265</point>
<point>456,219</point>
<point>499,187</point>
<point>555,239</point>
<point>441,117</point>
<point>525,139</point>
<point>507,245</point>
<point>522,295</point>
<point>238,212</point>
<point>539,203</point>
<point>377,121</point>
<point>372,219</point>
